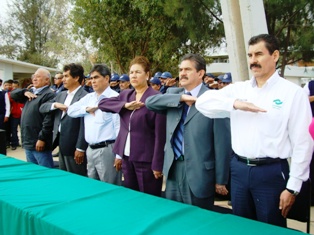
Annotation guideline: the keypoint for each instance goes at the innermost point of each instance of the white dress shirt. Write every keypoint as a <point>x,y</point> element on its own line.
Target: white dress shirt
<point>281,132</point>
<point>99,127</point>
<point>67,102</point>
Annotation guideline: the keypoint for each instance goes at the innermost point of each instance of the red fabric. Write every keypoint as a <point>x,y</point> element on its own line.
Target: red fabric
<point>16,108</point>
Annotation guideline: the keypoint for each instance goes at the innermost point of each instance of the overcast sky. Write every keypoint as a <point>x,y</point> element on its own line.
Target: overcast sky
<point>3,8</point>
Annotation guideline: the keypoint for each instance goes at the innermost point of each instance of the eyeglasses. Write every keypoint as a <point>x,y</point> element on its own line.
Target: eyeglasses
<point>57,78</point>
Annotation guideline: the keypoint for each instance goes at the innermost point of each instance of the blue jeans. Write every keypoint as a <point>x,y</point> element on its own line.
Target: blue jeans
<point>43,158</point>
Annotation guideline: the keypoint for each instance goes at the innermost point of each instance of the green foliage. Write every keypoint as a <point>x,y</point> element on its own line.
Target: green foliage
<point>51,32</point>
<point>156,29</point>
<point>37,31</point>
<point>292,21</point>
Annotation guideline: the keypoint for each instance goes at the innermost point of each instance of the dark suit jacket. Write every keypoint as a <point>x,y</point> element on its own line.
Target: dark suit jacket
<point>148,129</point>
<point>207,143</point>
<point>72,129</point>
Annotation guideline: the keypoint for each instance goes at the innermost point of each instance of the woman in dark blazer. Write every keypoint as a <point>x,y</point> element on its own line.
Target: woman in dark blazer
<point>142,135</point>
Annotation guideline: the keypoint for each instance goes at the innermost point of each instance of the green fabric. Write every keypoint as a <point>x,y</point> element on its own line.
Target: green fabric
<point>38,200</point>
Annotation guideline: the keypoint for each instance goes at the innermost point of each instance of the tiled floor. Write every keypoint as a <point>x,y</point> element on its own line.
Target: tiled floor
<point>19,154</point>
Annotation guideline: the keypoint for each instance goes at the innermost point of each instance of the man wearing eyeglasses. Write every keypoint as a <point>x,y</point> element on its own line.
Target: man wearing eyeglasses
<point>58,84</point>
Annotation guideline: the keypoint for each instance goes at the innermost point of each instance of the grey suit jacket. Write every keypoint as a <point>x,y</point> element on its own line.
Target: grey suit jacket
<point>72,129</point>
<point>207,143</point>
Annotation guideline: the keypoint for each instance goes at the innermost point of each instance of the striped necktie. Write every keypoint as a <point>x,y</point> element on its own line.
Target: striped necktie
<point>177,140</point>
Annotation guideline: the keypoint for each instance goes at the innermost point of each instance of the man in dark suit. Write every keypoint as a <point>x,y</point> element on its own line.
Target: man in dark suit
<point>198,164</point>
<point>68,132</point>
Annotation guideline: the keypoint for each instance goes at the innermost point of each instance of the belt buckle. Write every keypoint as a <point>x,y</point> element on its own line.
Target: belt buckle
<point>250,164</point>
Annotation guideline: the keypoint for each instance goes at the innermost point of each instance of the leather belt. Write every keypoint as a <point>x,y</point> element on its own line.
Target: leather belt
<point>101,144</point>
<point>258,161</point>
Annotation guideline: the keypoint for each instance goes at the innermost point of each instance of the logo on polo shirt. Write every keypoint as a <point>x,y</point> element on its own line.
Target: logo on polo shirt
<point>277,104</point>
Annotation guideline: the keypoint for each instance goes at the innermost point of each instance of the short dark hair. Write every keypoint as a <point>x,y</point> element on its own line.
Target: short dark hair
<point>199,61</point>
<point>102,69</point>
<point>10,81</point>
<point>271,42</point>
<point>16,82</point>
<point>60,73</point>
<point>76,70</point>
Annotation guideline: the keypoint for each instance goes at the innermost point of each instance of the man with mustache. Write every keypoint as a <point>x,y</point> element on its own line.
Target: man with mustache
<point>198,150</point>
<point>269,118</point>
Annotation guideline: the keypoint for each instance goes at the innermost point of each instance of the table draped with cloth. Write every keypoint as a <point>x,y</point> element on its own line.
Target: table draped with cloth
<point>38,200</point>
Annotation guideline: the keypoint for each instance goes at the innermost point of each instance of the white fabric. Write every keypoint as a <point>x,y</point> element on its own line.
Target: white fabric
<point>7,105</point>
<point>99,127</point>
<point>307,89</point>
<point>127,147</point>
<point>281,132</point>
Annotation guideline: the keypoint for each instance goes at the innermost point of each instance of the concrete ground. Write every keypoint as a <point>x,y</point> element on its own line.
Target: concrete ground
<point>19,154</point>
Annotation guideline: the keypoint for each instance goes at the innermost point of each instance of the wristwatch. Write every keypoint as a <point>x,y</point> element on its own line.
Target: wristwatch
<point>294,193</point>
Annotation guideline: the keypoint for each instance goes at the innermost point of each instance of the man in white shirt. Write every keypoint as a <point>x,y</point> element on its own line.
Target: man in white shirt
<point>269,119</point>
<point>68,132</point>
<point>101,128</point>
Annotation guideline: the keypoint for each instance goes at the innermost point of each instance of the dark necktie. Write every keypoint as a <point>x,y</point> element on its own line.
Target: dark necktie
<point>177,141</point>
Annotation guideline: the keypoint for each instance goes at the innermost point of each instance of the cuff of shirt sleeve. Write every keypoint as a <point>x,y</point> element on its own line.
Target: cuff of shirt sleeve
<point>52,106</point>
<point>81,150</point>
<point>118,156</point>
<point>294,184</point>
<point>231,104</point>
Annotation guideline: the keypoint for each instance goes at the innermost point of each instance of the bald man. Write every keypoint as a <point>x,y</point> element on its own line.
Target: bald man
<point>36,128</point>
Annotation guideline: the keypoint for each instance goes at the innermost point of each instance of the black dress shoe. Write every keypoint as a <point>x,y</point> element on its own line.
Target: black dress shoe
<point>13,148</point>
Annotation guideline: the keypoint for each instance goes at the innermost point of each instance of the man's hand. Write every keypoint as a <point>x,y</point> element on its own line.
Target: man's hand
<point>188,99</point>
<point>6,119</point>
<point>61,106</point>
<point>157,174</point>
<point>246,106</point>
<point>91,110</point>
<point>170,82</point>
<point>213,85</point>
<point>79,157</point>
<point>40,146</point>
<point>118,164</point>
<point>221,189</point>
<point>134,105</point>
<point>286,201</point>
<point>30,95</point>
